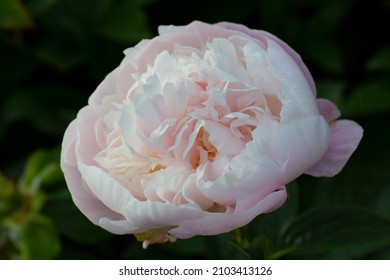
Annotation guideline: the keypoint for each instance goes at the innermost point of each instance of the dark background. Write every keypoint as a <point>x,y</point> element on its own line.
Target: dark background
<point>54,53</point>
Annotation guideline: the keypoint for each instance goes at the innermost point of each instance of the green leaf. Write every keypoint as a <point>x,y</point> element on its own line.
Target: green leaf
<point>240,253</point>
<point>39,7</point>
<point>331,12</point>
<point>39,239</point>
<point>13,15</point>
<point>326,54</point>
<point>369,98</point>
<point>87,10</point>
<point>339,230</point>
<point>380,204</point>
<point>271,225</point>
<point>332,90</point>
<point>61,56</point>
<point>42,168</point>
<point>11,57</point>
<point>224,11</point>
<point>70,222</point>
<point>5,253</point>
<point>10,200</point>
<point>45,107</point>
<point>188,247</point>
<point>125,22</point>
<point>380,61</point>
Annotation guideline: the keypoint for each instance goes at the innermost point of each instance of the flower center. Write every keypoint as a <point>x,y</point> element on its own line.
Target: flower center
<point>206,150</point>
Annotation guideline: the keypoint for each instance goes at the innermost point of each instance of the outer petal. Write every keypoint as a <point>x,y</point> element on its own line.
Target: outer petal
<point>107,87</point>
<point>203,31</point>
<point>300,145</point>
<point>328,110</point>
<point>297,87</point>
<point>265,179</point>
<point>345,136</point>
<point>261,36</point>
<point>217,223</point>
<point>140,216</point>
<point>155,46</point>
<point>83,198</point>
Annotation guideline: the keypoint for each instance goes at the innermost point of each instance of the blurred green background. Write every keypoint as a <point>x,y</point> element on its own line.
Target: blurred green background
<point>54,53</point>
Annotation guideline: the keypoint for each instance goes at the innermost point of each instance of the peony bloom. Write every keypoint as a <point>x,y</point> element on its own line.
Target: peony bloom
<point>198,131</point>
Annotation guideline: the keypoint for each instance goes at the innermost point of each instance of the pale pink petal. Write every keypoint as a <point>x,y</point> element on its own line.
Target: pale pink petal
<point>163,63</point>
<point>243,182</point>
<point>222,138</point>
<point>217,223</point>
<point>345,136</point>
<point>203,31</point>
<point>328,110</point>
<point>157,45</point>
<point>255,61</point>
<point>193,195</point>
<point>127,123</point>
<point>191,139</point>
<point>117,226</point>
<point>300,145</point>
<point>140,215</point>
<point>295,85</point>
<point>105,88</point>
<point>106,189</point>
<point>148,110</point>
<point>256,185</point>
<point>68,156</point>
<point>87,146</point>
<point>151,215</point>
<point>176,99</point>
<point>83,198</point>
<point>165,183</point>
<point>261,36</point>
<point>223,58</point>
<point>161,138</point>
<point>218,182</point>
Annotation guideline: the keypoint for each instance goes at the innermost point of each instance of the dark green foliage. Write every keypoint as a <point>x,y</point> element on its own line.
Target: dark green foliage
<point>54,53</point>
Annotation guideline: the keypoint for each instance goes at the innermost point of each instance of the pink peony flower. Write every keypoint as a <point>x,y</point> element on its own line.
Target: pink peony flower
<point>198,131</point>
